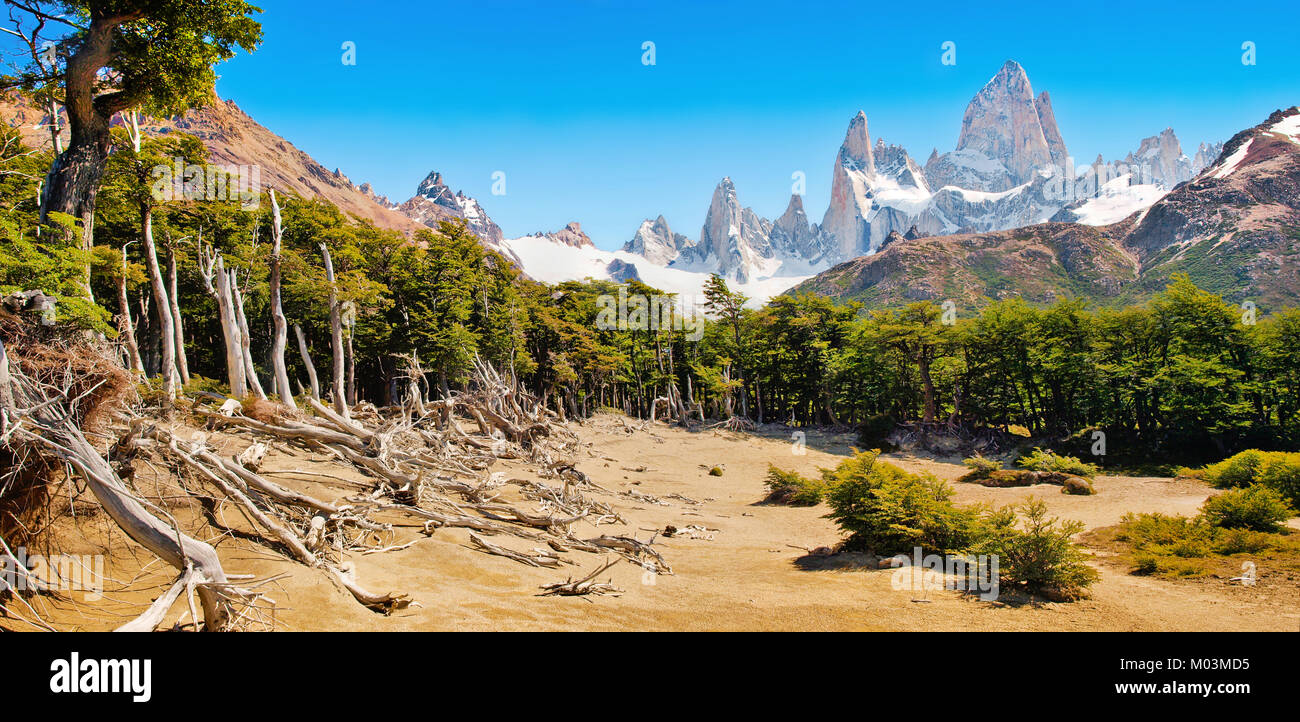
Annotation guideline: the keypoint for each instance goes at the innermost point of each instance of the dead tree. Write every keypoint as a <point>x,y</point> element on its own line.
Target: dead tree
<point>306,360</point>
<point>245,340</point>
<point>182,360</point>
<point>217,283</point>
<point>125,326</point>
<point>280,339</point>
<point>336,337</point>
<point>39,417</point>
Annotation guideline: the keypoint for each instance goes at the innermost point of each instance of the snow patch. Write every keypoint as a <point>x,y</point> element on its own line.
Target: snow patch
<point>1118,200</point>
<point>1231,162</point>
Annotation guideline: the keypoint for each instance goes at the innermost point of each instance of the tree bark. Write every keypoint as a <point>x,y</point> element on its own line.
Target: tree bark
<point>73,181</point>
<point>167,365</point>
<point>126,326</point>
<point>182,360</point>
<point>250,369</point>
<point>306,360</point>
<point>217,283</point>
<point>336,338</point>
<point>280,339</point>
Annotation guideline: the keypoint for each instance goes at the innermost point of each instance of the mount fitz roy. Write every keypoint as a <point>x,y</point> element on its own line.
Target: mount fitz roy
<point>1010,168</point>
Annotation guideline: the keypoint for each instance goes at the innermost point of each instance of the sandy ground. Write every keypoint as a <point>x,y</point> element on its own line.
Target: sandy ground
<point>747,568</point>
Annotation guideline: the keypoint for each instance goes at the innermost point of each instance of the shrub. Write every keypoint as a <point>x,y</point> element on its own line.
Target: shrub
<point>1278,470</point>
<point>887,510</point>
<point>715,471</point>
<point>1040,460</point>
<point>1257,508</point>
<point>1037,553</point>
<point>980,468</point>
<point>787,487</point>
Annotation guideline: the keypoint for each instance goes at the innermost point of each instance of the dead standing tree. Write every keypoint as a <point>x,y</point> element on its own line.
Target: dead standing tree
<point>217,283</point>
<point>336,337</point>
<point>281,338</point>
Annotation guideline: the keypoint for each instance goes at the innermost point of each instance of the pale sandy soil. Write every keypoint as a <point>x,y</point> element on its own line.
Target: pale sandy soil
<point>743,574</point>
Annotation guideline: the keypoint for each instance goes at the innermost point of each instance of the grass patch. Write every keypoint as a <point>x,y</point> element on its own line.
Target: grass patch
<point>1179,547</point>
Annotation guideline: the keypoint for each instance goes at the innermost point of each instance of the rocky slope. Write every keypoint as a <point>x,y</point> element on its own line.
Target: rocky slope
<point>233,138</point>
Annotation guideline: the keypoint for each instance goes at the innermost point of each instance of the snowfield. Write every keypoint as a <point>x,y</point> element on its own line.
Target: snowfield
<point>551,262</point>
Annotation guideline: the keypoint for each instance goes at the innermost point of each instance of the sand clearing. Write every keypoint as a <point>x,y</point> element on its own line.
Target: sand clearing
<point>737,564</point>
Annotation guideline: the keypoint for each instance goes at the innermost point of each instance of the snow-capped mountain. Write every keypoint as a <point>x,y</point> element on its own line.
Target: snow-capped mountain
<point>548,259</point>
<point>434,201</point>
<point>657,242</point>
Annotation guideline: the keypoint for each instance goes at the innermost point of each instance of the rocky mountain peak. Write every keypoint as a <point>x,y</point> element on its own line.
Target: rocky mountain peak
<point>855,153</point>
<point>1052,134</point>
<point>734,242</point>
<point>655,240</point>
<point>434,202</point>
<point>1003,124</point>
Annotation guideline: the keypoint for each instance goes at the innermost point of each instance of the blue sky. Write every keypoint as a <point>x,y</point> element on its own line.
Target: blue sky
<point>555,94</point>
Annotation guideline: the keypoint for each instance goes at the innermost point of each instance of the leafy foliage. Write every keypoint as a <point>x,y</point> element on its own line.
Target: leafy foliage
<point>1040,460</point>
<point>1035,552</point>
<point>887,510</point>
<point>1276,470</point>
<point>1256,507</point>
<point>788,487</point>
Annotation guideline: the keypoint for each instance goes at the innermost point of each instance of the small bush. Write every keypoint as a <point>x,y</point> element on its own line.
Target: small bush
<point>787,487</point>
<point>1037,553</point>
<point>1278,470</point>
<point>888,511</point>
<point>715,471</point>
<point>1040,460</point>
<point>1256,508</point>
<point>980,468</point>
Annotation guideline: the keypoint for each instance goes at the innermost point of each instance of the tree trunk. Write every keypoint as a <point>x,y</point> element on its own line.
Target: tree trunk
<point>167,365</point>
<point>127,328</point>
<point>336,338</point>
<point>245,351</point>
<point>352,371</point>
<point>280,339</point>
<point>182,361</point>
<point>73,180</point>
<point>217,283</point>
<point>306,361</point>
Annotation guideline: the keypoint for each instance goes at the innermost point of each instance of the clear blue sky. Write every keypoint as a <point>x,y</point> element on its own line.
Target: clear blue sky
<point>555,95</point>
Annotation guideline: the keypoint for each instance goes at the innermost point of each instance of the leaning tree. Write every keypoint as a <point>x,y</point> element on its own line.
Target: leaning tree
<point>102,57</point>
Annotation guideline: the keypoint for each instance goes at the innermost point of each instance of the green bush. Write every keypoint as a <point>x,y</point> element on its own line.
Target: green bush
<point>1278,470</point>
<point>980,468</point>
<point>1040,460</point>
<point>1035,552</point>
<point>1257,508</point>
<point>787,487</point>
<point>888,511</point>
